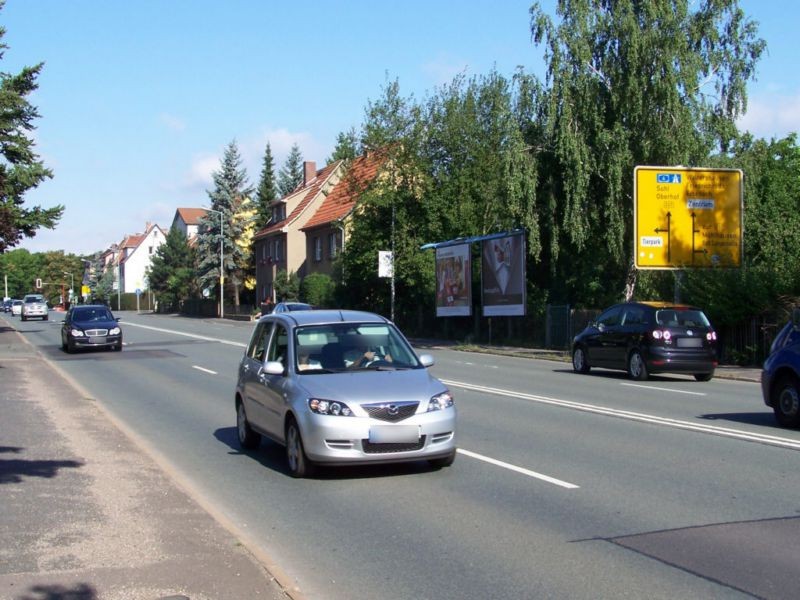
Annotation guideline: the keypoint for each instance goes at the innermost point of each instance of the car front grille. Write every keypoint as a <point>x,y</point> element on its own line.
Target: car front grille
<point>391,411</point>
<point>96,332</point>
<point>370,448</point>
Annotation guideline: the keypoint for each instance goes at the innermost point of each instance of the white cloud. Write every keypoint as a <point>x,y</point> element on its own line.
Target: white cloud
<point>772,116</point>
<point>172,122</point>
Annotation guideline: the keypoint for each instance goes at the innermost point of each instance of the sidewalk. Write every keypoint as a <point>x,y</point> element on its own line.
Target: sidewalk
<point>86,514</point>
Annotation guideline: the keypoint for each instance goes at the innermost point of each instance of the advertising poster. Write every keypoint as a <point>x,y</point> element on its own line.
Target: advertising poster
<point>453,284</point>
<point>503,268</point>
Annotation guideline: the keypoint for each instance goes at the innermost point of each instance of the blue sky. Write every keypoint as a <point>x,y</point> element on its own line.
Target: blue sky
<point>139,99</point>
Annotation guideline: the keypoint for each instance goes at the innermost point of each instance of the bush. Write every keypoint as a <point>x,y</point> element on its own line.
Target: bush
<point>318,289</point>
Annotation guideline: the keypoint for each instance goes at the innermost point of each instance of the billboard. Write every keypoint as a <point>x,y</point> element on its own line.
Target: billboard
<point>453,281</point>
<point>687,217</point>
<point>503,276</point>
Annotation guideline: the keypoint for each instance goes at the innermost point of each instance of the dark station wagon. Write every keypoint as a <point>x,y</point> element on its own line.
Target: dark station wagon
<point>643,338</point>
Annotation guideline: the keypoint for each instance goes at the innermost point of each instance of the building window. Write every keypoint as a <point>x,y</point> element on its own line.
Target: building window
<point>317,249</point>
<point>333,245</point>
<point>150,250</point>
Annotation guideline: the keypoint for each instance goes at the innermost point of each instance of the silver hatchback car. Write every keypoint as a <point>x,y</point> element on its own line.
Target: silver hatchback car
<point>342,387</point>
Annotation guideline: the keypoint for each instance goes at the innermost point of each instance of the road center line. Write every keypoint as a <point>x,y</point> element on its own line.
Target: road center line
<point>191,335</point>
<point>640,417</point>
<point>510,467</point>
<point>661,389</point>
<point>209,371</point>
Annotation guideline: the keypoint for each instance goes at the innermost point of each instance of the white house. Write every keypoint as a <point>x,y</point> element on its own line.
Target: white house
<point>188,221</point>
<point>135,253</point>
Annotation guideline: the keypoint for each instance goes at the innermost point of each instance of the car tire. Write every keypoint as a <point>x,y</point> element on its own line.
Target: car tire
<point>44,318</point>
<point>446,461</point>
<point>579,363</point>
<point>63,344</point>
<point>636,368</point>
<point>70,347</point>
<point>786,402</point>
<point>299,465</point>
<point>704,376</point>
<point>117,347</point>
<point>23,317</point>
<point>248,439</point>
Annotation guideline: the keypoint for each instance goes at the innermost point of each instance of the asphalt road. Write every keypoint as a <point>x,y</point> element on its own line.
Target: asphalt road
<point>566,486</point>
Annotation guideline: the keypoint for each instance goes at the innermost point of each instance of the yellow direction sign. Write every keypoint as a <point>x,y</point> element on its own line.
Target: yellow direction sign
<point>687,218</point>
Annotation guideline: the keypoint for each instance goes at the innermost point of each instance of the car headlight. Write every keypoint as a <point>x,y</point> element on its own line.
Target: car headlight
<point>76,333</point>
<point>114,331</point>
<point>328,407</point>
<point>441,401</point>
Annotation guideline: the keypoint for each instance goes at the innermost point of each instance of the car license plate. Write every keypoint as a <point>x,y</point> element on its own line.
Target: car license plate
<point>97,340</point>
<point>690,342</point>
<point>394,434</point>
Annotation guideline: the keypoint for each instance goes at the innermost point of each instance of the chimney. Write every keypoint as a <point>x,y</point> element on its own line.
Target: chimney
<point>309,171</point>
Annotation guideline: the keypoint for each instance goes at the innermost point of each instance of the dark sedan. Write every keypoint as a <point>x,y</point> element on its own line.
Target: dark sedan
<point>90,326</point>
<point>648,337</point>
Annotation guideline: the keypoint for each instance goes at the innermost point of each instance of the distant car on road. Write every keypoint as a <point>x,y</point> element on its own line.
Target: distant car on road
<point>341,387</point>
<point>648,337</point>
<point>7,305</point>
<point>780,376</point>
<point>283,307</point>
<point>90,326</point>
<point>34,306</point>
<point>16,308</point>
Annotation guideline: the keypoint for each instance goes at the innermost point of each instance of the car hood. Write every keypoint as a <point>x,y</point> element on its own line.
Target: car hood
<point>372,386</point>
<point>94,324</point>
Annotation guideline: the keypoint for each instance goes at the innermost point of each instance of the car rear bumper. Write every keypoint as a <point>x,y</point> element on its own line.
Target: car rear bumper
<point>660,360</point>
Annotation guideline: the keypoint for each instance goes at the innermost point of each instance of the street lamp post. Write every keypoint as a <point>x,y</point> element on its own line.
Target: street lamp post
<point>221,255</point>
<point>71,284</point>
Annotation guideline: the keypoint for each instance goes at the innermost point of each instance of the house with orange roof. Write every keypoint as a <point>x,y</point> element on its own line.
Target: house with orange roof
<point>281,245</point>
<point>319,211</point>
<point>326,231</point>
<point>187,220</point>
<point>135,255</point>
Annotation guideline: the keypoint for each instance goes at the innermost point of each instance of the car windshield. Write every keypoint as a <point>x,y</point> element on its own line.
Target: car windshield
<point>91,314</point>
<point>30,299</point>
<point>351,347</point>
<point>682,317</point>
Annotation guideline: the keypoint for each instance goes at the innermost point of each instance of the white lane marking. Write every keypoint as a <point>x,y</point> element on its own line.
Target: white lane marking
<point>662,389</point>
<point>209,371</point>
<point>191,335</point>
<point>640,417</point>
<point>510,467</point>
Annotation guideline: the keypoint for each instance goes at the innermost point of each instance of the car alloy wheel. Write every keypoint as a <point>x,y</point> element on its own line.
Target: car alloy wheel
<point>248,438</point>
<point>787,403</point>
<point>299,465</point>
<point>636,367</point>
<point>579,364</point>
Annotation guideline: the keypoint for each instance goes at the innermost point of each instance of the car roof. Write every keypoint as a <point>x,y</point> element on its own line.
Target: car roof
<point>325,317</point>
<point>660,304</point>
<point>89,306</point>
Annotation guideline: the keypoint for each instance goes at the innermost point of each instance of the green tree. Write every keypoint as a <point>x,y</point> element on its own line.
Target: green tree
<point>291,174</point>
<point>230,196</point>
<point>630,83</point>
<point>267,190</point>
<point>21,268</point>
<point>287,286</point>
<point>20,170</point>
<point>346,146</point>
<point>172,271</point>
<point>318,290</point>
<point>100,279</point>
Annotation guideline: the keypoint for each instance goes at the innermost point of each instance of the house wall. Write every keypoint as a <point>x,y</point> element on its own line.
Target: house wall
<point>322,262</point>
<point>137,262</point>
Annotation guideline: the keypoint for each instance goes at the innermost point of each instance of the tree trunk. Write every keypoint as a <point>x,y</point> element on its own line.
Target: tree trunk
<point>630,282</point>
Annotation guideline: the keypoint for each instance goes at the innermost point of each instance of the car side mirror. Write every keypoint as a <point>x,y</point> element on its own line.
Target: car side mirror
<point>117,319</point>
<point>426,360</point>
<point>273,367</point>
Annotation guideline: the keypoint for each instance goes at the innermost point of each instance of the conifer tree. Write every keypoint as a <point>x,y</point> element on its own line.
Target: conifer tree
<point>230,195</point>
<point>267,190</point>
<point>20,167</point>
<point>346,146</point>
<point>291,175</point>
<point>172,270</point>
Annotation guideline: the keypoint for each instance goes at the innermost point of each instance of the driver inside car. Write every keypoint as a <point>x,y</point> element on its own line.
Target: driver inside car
<point>363,356</point>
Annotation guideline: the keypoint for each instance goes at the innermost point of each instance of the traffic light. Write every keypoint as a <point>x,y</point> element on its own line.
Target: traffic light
<point>38,283</point>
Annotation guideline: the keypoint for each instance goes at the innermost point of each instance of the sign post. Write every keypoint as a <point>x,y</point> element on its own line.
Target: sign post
<point>687,217</point>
